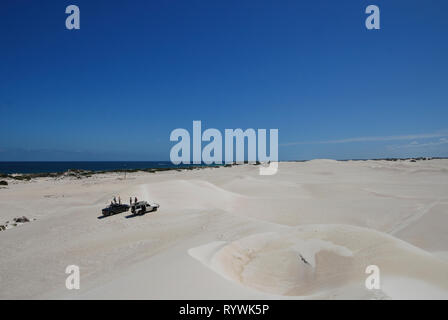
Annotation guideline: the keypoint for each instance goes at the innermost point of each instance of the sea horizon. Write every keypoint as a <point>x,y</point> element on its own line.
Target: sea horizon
<point>51,166</point>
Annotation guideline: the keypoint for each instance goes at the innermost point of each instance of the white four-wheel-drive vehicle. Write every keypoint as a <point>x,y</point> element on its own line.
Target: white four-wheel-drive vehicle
<point>143,207</point>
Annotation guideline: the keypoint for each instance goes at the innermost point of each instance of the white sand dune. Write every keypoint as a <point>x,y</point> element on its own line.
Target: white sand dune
<point>309,231</point>
<point>318,259</point>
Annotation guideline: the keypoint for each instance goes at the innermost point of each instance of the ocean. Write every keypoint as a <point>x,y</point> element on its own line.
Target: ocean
<point>61,166</point>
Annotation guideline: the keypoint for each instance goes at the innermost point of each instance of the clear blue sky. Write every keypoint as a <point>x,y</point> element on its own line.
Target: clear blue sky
<point>136,70</point>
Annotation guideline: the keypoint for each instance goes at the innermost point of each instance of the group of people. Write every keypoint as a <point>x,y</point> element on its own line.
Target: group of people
<point>114,200</point>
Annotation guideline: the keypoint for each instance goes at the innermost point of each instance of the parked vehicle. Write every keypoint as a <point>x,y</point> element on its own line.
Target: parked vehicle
<point>143,207</point>
<point>115,208</point>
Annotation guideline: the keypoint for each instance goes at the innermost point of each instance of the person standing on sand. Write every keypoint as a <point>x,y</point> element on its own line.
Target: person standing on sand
<point>130,201</point>
<point>115,200</point>
<point>135,199</point>
<point>119,200</point>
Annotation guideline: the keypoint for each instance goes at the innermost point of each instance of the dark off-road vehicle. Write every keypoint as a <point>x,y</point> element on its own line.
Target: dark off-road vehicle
<point>115,208</point>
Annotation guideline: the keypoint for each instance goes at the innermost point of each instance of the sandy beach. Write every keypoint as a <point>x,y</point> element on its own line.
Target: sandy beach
<point>308,232</point>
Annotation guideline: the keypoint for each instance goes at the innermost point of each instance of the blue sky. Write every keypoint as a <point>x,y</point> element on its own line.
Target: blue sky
<point>136,70</point>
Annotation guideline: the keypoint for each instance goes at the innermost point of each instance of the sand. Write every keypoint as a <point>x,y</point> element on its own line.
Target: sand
<point>308,232</point>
